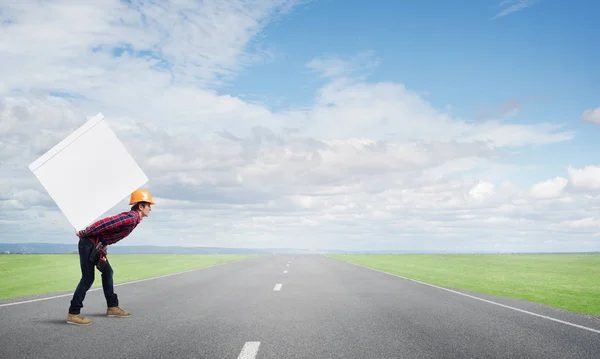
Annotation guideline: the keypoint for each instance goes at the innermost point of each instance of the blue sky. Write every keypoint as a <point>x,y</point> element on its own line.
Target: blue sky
<point>461,56</point>
<point>453,52</point>
<point>418,124</point>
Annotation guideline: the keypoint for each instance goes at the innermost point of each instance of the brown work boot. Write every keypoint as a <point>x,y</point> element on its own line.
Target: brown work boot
<point>78,319</point>
<point>117,312</point>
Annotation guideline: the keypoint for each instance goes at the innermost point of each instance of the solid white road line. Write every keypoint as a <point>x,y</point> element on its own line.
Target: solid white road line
<point>45,298</point>
<point>484,300</point>
<point>249,350</point>
<point>116,285</point>
<point>277,287</point>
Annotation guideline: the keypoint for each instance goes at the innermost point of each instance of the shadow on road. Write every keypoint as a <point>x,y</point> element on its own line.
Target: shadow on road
<point>53,321</point>
<point>96,315</point>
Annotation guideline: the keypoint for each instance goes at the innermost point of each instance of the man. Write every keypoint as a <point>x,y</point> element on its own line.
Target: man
<point>92,254</point>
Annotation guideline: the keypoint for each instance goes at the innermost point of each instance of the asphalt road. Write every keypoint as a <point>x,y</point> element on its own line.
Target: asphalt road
<point>320,308</point>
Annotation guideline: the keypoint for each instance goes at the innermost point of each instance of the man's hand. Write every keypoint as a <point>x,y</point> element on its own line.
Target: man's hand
<point>77,233</point>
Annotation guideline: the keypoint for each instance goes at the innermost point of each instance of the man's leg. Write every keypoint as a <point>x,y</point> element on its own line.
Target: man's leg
<point>85,283</point>
<point>112,300</point>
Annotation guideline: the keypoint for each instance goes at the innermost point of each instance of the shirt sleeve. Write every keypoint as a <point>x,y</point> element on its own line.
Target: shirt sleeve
<point>107,224</point>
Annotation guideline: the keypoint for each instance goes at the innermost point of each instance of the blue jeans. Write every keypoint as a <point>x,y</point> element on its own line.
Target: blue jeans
<point>87,279</point>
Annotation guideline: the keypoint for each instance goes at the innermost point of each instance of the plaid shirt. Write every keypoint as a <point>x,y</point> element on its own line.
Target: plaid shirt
<point>112,229</point>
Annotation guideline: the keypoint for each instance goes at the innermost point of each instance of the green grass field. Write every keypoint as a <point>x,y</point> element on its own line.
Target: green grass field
<point>567,281</point>
<point>28,274</point>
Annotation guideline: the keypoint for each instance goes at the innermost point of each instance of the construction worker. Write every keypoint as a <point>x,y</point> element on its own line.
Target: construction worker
<point>92,254</point>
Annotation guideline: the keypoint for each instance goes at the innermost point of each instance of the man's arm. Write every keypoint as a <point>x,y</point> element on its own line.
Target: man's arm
<point>107,224</point>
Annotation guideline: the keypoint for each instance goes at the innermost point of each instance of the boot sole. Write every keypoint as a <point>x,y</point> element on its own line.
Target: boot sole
<point>118,316</point>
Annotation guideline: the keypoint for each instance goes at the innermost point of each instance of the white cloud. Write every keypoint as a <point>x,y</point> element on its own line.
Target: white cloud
<point>592,116</point>
<point>199,43</point>
<point>550,188</point>
<point>584,223</point>
<point>333,66</point>
<point>512,6</point>
<point>389,110</point>
<point>369,165</point>
<point>482,190</point>
<point>587,178</point>
<point>53,118</point>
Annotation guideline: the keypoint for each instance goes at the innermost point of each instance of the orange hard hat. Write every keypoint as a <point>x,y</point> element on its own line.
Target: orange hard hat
<point>140,195</point>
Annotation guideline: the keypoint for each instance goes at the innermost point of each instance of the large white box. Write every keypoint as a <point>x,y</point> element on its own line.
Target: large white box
<point>88,172</point>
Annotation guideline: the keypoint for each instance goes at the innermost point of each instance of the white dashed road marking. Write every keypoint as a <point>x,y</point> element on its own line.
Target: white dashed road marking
<point>277,287</point>
<point>249,350</point>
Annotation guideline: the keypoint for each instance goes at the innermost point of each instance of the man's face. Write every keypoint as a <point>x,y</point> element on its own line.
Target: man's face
<point>146,208</point>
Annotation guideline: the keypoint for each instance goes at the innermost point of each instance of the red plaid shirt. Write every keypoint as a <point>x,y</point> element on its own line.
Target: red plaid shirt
<point>112,229</point>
